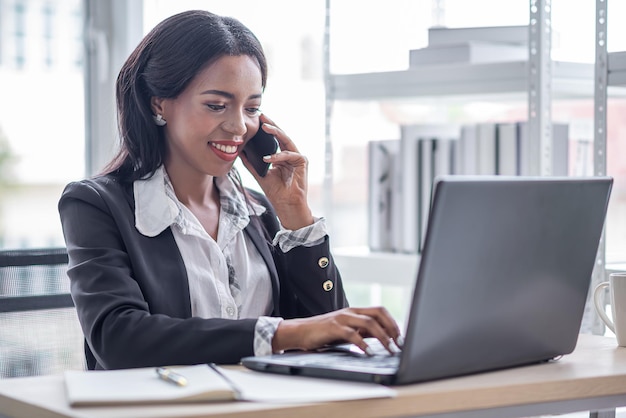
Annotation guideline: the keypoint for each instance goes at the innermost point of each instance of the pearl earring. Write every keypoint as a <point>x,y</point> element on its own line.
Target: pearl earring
<point>158,120</point>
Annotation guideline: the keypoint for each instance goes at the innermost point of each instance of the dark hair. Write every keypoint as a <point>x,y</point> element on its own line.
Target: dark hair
<point>163,65</point>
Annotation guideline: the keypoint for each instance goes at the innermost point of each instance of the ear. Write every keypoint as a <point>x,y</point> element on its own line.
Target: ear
<point>157,105</point>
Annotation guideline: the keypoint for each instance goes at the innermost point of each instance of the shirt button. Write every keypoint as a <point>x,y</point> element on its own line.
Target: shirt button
<point>230,311</point>
<point>328,285</point>
<point>323,262</point>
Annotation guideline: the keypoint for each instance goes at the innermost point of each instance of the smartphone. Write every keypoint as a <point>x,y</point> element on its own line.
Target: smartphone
<point>259,145</point>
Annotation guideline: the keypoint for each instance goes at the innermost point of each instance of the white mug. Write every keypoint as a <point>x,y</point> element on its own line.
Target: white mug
<point>617,291</point>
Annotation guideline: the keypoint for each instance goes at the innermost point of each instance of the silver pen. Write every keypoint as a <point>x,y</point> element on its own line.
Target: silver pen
<point>170,376</point>
<point>232,384</point>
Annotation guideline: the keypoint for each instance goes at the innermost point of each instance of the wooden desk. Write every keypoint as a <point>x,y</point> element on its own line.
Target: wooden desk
<point>592,378</point>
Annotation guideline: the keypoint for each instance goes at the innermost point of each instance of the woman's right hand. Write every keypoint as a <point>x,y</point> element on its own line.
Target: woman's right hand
<point>350,325</point>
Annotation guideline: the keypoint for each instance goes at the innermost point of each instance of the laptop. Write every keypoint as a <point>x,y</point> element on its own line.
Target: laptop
<point>502,282</point>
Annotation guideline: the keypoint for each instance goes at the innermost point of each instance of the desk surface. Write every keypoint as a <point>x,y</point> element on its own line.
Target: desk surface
<point>593,377</point>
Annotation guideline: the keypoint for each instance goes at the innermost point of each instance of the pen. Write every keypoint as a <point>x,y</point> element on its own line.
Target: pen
<point>232,384</point>
<point>170,376</point>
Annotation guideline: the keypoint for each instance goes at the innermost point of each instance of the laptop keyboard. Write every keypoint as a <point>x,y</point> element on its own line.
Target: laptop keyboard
<point>379,349</point>
<point>382,362</point>
<point>376,347</point>
<point>351,355</point>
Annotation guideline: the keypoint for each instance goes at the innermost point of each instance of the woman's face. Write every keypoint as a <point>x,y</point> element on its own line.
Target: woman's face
<point>210,121</point>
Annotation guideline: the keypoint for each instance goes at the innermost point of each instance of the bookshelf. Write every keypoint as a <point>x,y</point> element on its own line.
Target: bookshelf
<point>569,80</point>
<point>537,81</point>
<point>534,81</point>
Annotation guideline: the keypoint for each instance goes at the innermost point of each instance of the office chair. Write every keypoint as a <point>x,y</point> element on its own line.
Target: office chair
<point>39,330</point>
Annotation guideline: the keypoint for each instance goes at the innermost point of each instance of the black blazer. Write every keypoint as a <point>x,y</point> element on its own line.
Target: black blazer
<point>131,291</point>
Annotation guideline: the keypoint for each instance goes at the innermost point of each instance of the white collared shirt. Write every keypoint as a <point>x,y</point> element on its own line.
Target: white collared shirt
<point>228,277</point>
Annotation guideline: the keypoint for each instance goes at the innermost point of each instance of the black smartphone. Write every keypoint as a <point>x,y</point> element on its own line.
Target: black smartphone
<point>259,145</point>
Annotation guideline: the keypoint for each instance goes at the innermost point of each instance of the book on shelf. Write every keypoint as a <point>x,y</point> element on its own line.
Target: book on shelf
<point>436,157</point>
<point>486,135</point>
<point>467,161</point>
<point>560,149</point>
<point>441,35</point>
<point>405,198</point>
<point>426,174</point>
<point>504,149</point>
<point>445,154</point>
<point>467,52</point>
<point>382,155</point>
<point>507,145</point>
<point>413,180</point>
<point>477,149</point>
<point>402,172</point>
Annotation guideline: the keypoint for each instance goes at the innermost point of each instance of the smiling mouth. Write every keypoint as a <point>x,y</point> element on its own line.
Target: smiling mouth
<point>228,149</point>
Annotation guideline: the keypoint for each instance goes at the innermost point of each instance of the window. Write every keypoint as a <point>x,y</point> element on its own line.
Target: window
<point>20,34</point>
<point>41,118</point>
<point>48,34</point>
<point>3,26</point>
<point>75,24</point>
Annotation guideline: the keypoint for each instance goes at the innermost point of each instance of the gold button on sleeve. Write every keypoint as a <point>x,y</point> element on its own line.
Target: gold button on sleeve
<point>328,285</point>
<point>323,262</point>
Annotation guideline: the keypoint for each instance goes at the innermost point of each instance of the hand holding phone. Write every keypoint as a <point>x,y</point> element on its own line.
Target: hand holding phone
<point>258,146</point>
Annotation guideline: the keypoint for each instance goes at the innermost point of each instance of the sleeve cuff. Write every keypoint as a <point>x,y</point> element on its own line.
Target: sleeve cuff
<point>309,236</point>
<point>263,333</point>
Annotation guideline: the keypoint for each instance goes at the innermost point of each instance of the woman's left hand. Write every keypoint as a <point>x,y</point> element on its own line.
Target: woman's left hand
<point>285,183</point>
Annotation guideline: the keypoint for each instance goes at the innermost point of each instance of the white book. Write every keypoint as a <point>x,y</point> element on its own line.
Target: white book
<point>426,175</point>
<point>560,149</point>
<point>486,148</point>
<point>507,145</point>
<point>467,52</point>
<point>382,155</point>
<point>437,158</point>
<point>206,384</point>
<point>467,160</point>
<point>440,35</point>
<point>444,156</point>
<point>524,149</point>
<point>406,195</point>
<point>405,199</point>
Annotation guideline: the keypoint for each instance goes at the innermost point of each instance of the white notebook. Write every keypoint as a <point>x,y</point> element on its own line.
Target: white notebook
<point>205,384</point>
<point>142,385</point>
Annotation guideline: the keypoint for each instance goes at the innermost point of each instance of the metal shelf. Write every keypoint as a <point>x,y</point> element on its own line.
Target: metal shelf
<point>569,80</point>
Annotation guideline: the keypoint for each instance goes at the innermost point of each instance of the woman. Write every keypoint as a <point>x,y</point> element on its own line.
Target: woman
<point>172,260</point>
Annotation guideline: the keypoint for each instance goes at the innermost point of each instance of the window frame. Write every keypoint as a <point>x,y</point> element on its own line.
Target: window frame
<point>112,29</point>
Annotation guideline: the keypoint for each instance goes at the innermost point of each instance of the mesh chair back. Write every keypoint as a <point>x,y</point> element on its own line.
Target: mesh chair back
<point>39,330</point>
